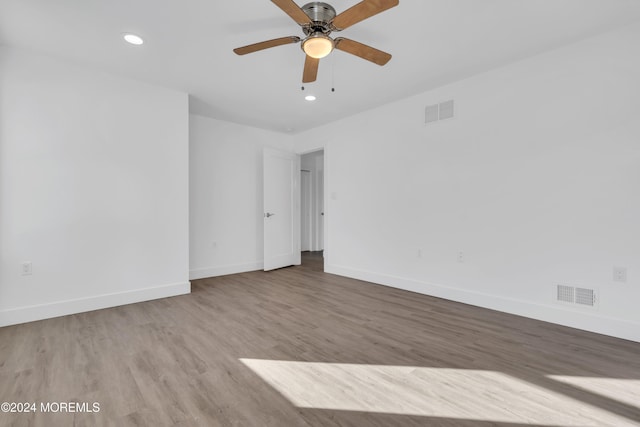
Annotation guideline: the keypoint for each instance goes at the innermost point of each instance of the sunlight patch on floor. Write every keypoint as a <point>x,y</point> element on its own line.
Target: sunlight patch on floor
<point>622,390</point>
<point>425,391</point>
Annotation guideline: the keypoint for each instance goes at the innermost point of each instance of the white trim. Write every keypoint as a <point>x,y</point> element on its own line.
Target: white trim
<point>32,313</point>
<point>587,320</point>
<point>326,189</point>
<point>223,270</point>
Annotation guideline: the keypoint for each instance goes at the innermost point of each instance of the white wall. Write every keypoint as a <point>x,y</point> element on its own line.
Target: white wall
<point>536,181</point>
<point>226,212</point>
<point>93,189</point>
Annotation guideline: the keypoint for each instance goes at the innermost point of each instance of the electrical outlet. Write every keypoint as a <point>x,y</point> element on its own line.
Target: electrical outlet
<point>619,274</point>
<point>460,257</point>
<point>27,268</point>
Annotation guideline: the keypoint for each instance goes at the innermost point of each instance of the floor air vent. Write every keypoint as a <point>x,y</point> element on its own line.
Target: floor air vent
<point>573,295</point>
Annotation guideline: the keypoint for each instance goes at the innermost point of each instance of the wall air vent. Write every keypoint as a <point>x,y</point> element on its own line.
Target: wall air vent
<point>431,114</point>
<point>585,297</point>
<point>437,112</point>
<point>575,295</point>
<point>565,293</point>
<point>446,110</point>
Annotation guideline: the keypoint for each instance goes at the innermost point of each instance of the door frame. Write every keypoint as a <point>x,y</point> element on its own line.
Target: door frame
<point>306,210</point>
<point>325,199</point>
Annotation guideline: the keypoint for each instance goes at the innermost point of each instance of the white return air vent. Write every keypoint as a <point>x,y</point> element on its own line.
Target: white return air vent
<point>566,293</point>
<point>437,112</point>
<point>573,295</point>
<point>585,296</point>
<point>431,114</point>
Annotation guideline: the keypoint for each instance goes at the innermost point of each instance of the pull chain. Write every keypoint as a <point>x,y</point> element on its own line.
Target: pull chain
<point>333,73</point>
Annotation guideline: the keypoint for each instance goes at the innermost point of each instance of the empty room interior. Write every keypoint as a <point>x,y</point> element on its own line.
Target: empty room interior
<point>342,213</point>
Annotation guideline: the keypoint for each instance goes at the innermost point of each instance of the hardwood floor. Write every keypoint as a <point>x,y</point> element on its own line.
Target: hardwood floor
<point>298,347</point>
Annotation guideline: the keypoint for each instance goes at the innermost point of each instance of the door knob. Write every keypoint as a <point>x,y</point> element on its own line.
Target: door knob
<point>268,214</point>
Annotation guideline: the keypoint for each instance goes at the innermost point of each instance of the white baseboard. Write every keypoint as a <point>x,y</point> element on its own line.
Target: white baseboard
<point>561,315</point>
<point>223,270</point>
<point>32,313</point>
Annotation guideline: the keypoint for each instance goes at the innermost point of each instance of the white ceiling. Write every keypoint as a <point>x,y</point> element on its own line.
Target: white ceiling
<point>189,47</point>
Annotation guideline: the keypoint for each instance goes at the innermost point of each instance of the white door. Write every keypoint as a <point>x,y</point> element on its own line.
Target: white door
<point>281,209</point>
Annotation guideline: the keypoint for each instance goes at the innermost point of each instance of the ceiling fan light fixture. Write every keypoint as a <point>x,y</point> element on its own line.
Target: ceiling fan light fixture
<point>318,45</point>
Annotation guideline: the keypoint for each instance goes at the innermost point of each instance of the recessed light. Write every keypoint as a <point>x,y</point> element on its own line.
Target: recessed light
<point>310,98</point>
<point>133,39</point>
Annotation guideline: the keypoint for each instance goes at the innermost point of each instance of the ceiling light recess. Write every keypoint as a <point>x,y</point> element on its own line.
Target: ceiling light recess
<point>133,39</point>
<point>310,98</point>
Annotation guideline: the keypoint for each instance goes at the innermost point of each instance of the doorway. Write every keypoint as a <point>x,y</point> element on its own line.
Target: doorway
<point>312,204</point>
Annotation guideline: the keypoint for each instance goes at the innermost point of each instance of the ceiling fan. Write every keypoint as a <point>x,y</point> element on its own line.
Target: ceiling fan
<point>318,20</point>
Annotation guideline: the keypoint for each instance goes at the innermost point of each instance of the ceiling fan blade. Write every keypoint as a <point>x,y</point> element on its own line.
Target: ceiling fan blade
<point>310,69</point>
<point>293,10</point>
<point>362,50</point>
<point>361,11</point>
<point>266,45</point>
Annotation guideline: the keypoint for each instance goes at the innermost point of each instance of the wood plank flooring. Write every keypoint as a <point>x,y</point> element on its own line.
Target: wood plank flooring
<point>298,347</point>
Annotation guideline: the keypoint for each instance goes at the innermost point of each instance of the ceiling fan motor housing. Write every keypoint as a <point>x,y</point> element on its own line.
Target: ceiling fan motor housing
<point>321,15</point>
